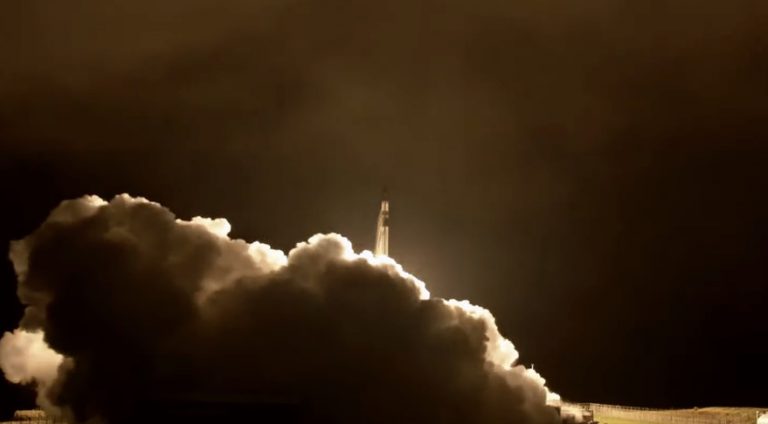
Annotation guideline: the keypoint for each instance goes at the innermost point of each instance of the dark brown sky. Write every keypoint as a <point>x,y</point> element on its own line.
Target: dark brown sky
<point>593,173</point>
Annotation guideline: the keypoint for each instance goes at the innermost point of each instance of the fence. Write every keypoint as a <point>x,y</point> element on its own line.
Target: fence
<point>674,416</point>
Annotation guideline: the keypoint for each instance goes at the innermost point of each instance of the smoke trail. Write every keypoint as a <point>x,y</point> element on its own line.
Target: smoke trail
<point>142,310</point>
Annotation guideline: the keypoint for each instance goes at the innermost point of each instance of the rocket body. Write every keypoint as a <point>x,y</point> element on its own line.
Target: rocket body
<point>382,230</point>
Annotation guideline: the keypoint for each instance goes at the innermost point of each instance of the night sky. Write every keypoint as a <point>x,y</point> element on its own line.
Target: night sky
<point>593,173</point>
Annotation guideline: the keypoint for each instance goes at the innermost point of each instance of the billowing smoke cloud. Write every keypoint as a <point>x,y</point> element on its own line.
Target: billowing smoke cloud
<point>144,312</point>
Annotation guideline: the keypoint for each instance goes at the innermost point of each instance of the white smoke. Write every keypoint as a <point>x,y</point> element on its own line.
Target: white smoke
<point>198,257</point>
<point>25,358</point>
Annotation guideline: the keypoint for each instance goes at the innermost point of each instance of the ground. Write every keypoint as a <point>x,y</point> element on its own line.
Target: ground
<point>607,420</point>
<point>682,416</point>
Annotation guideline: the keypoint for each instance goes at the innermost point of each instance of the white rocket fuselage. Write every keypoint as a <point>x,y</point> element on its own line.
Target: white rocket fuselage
<point>382,230</point>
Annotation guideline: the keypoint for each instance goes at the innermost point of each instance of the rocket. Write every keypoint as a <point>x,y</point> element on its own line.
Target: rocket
<point>382,227</point>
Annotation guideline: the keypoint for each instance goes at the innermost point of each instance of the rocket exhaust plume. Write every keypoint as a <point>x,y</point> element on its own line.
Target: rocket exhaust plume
<point>131,312</point>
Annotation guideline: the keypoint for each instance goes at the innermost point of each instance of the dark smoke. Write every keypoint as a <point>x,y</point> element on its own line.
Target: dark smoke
<point>157,316</point>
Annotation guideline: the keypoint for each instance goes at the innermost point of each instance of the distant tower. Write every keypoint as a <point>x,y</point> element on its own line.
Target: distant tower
<point>382,227</point>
